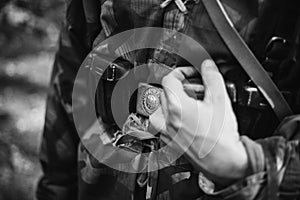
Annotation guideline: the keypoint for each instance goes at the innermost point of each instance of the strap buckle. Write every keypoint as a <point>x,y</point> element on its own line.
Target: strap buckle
<point>111,72</point>
<point>273,40</point>
<point>251,97</point>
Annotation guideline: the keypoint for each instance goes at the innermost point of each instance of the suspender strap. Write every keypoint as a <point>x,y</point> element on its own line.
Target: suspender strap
<point>246,58</point>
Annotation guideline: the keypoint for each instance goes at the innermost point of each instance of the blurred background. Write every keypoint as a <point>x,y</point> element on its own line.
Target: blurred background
<point>28,41</point>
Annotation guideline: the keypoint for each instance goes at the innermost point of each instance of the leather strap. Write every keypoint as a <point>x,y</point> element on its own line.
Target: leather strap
<point>246,58</point>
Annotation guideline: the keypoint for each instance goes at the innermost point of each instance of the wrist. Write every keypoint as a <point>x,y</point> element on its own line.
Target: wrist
<point>226,163</point>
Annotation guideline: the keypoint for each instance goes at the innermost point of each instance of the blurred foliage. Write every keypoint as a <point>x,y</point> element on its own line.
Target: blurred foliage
<point>28,40</point>
<point>28,26</point>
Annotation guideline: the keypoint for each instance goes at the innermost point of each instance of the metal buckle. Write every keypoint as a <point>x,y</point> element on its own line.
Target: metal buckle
<point>232,92</point>
<point>251,97</point>
<point>111,72</point>
<point>148,99</point>
<point>274,40</point>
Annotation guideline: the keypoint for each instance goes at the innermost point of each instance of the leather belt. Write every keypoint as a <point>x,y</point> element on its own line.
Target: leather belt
<point>148,99</point>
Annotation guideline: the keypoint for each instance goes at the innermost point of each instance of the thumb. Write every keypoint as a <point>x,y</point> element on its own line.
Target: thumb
<point>214,83</point>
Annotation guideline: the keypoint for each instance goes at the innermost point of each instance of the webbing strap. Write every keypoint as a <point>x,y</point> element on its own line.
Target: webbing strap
<point>246,58</point>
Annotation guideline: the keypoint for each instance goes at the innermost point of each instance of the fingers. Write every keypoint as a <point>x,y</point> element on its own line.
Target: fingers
<point>173,83</point>
<point>188,72</point>
<point>176,89</point>
<point>196,91</point>
<point>214,83</point>
<point>193,87</point>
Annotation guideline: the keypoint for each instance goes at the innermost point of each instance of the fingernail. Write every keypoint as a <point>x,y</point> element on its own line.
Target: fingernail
<point>209,65</point>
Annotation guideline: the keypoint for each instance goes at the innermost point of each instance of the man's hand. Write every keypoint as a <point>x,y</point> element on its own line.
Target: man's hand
<point>207,130</point>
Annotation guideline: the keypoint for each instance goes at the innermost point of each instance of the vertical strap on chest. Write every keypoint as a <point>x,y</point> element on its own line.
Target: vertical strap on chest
<point>246,58</point>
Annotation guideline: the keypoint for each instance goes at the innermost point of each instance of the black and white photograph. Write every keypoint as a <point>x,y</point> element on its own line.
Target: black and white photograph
<point>150,100</point>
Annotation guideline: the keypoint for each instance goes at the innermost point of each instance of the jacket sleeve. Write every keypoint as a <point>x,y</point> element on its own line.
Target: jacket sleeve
<point>274,171</point>
<point>58,154</point>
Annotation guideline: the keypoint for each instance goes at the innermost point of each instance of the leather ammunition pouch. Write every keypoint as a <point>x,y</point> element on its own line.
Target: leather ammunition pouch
<point>110,77</point>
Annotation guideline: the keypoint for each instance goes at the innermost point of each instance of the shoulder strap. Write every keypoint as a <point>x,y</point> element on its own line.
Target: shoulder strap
<point>246,58</point>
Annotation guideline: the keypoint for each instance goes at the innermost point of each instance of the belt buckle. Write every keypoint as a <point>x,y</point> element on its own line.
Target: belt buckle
<point>148,99</point>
